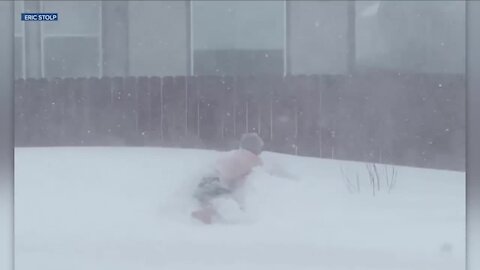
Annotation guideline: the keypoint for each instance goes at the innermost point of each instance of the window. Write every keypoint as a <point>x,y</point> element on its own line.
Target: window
<point>318,37</point>
<point>418,36</point>
<point>238,37</point>
<point>71,57</point>
<point>158,38</point>
<point>72,48</point>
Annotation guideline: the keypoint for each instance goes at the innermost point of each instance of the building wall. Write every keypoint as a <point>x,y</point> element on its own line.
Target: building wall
<point>161,38</point>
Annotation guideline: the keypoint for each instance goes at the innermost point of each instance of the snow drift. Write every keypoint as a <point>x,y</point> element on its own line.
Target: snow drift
<point>128,208</point>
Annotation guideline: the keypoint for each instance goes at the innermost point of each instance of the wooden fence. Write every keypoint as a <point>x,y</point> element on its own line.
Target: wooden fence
<point>405,119</point>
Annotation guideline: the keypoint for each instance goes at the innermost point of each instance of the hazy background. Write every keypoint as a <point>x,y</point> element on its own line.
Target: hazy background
<point>376,81</point>
<point>431,40</point>
<point>6,135</point>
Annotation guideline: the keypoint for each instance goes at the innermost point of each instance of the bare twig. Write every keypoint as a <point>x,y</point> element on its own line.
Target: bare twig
<point>347,180</point>
<point>393,181</point>
<point>387,179</point>
<point>372,178</point>
<point>376,175</point>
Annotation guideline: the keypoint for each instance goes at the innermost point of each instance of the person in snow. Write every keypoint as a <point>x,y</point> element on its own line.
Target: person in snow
<point>228,177</point>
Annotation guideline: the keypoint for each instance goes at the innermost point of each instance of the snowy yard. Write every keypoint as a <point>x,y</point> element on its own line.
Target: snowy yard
<point>128,208</point>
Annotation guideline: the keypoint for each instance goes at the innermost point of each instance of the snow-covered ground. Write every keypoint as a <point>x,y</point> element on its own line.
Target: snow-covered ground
<point>6,215</point>
<point>128,208</point>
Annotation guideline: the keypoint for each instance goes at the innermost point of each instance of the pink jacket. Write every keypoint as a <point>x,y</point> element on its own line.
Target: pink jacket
<point>234,166</point>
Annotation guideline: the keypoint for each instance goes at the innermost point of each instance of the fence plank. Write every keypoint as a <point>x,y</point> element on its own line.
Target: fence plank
<point>241,99</point>
<point>211,94</point>
<point>22,129</point>
<point>308,103</point>
<point>265,96</point>
<point>156,136</point>
<point>193,118</point>
<point>37,91</point>
<point>143,110</point>
<point>98,108</point>
<point>329,88</point>
<point>58,117</point>
<point>228,112</point>
<point>174,107</point>
<point>130,113</point>
<point>285,121</point>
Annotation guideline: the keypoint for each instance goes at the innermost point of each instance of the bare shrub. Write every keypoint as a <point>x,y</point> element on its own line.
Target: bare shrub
<point>381,177</point>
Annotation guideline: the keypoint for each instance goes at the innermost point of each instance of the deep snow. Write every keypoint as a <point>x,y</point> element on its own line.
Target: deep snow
<point>128,208</point>
<point>6,224</point>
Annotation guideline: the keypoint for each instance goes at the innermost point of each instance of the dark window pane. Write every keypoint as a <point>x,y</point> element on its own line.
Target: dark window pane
<point>418,36</point>
<point>238,37</point>
<point>158,38</point>
<point>74,17</point>
<point>318,37</point>
<point>71,57</point>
